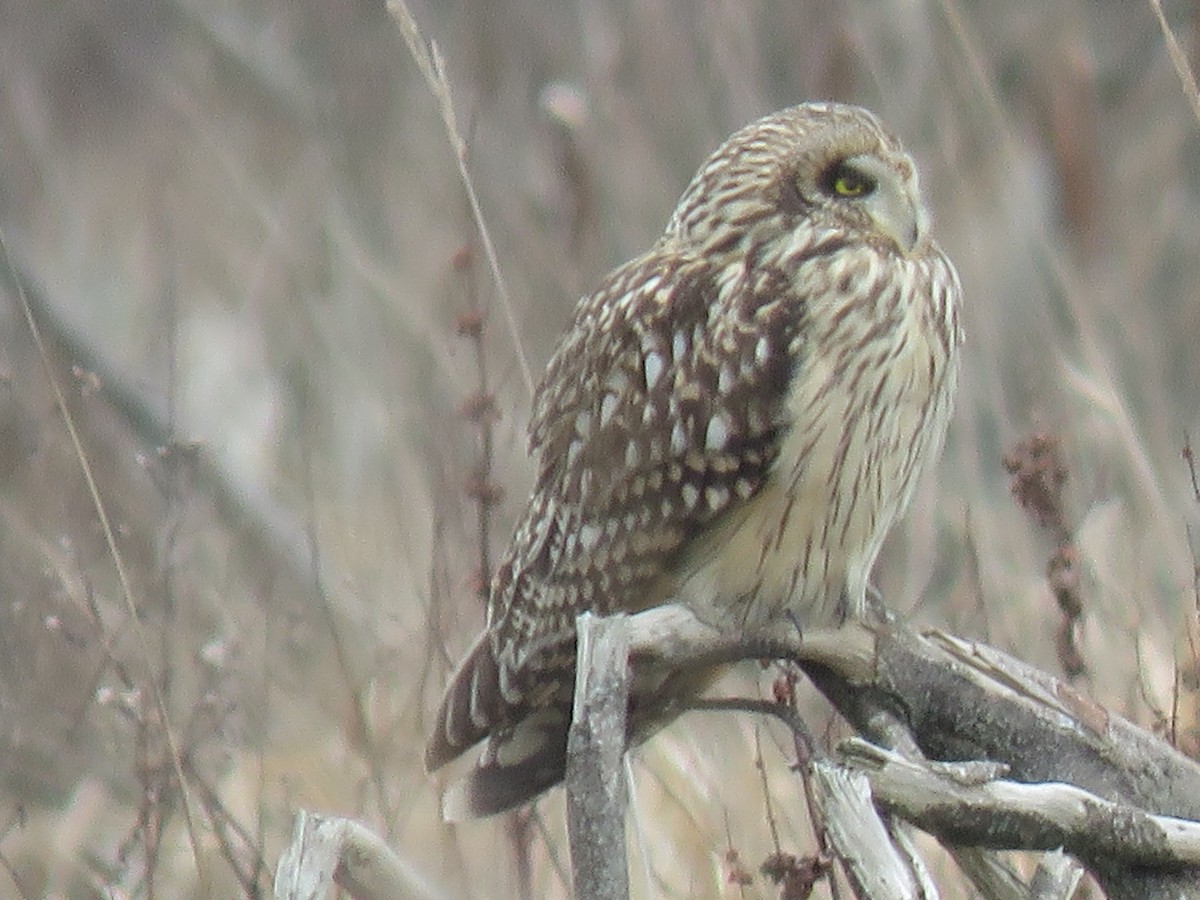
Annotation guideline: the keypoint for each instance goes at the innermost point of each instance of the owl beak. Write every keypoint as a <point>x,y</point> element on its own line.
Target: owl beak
<point>904,220</point>
<point>896,207</point>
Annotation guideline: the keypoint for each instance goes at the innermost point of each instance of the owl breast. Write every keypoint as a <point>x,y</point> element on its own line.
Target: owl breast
<point>868,405</point>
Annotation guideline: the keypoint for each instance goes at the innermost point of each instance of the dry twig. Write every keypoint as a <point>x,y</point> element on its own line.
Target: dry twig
<point>429,59</point>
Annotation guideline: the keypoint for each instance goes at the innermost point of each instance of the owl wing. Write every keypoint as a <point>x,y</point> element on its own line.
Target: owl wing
<point>660,412</point>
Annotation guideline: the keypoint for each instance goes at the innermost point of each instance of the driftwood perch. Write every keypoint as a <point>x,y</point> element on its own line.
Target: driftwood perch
<point>1131,817</point>
<point>331,851</point>
<point>595,782</point>
<point>977,748</point>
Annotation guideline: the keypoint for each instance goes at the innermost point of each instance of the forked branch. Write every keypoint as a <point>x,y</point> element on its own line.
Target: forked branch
<point>1039,766</point>
<point>1122,800</point>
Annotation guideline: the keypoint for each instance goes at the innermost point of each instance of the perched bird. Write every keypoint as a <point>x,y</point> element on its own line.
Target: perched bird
<point>733,422</point>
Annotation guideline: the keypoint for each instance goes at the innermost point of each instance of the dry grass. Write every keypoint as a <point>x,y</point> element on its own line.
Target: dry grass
<point>246,240</point>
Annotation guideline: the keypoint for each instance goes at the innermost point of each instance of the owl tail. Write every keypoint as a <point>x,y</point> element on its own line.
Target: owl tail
<point>525,753</point>
<point>513,769</point>
<point>471,707</point>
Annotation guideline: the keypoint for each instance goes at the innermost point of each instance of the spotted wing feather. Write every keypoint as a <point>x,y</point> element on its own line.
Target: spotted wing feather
<point>659,413</point>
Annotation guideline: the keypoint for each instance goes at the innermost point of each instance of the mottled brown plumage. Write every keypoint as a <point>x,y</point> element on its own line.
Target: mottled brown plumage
<point>734,421</point>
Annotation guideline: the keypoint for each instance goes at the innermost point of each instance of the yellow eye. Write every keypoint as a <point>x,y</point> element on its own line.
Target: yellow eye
<point>850,186</point>
<point>842,180</point>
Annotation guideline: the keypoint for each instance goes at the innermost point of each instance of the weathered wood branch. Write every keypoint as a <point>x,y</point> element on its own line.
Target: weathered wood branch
<point>595,780</point>
<point>938,696</point>
<point>875,864</point>
<point>329,851</point>
<point>1008,815</point>
<point>987,752</point>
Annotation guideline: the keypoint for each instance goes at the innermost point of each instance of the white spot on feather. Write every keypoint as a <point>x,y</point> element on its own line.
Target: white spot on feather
<point>607,407</point>
<point>716,497</point>
<point>717,433</point>
<point>589,536</point>
<point>678,439</point>
<point>762,351</point>
<point>725,379</point>
<point>478,716</point>
<point>679,346</point>
<point>654,366</point>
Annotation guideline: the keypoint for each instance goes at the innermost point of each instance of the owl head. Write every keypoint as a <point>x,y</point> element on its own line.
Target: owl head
<point>826,168</point>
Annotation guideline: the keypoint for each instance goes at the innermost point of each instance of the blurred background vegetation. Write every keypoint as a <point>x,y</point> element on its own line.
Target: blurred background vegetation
<point>240,228</point>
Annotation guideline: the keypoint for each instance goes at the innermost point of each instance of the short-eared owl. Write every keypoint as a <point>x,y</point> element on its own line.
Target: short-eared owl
<point>734,421</point>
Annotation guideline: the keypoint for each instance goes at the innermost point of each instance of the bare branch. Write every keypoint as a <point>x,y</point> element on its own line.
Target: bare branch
<point>1187,79</point>
<point>961,700</point>
<point>329,851</point>
<point>1007,815</point>
<point>127,592</point>
<point>1040,766</point>
<point>1057,877</point>
<point>596,790</point>
<point>876,867</point>
<point>429,60</point>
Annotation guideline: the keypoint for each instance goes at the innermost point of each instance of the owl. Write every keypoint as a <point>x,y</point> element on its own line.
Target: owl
<point>733,422</point>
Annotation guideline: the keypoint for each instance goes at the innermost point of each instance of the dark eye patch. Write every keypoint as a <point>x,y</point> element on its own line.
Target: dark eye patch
<point>843,180</point>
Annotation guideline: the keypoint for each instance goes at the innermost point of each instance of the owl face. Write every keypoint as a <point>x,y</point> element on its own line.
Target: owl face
<point>860,185</point>
<point>820,166</point>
